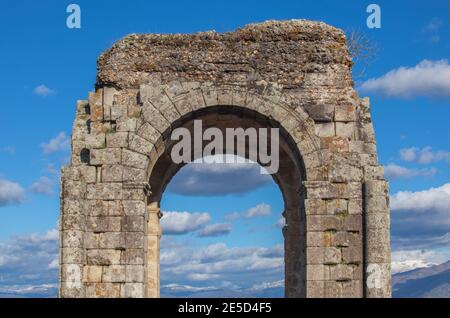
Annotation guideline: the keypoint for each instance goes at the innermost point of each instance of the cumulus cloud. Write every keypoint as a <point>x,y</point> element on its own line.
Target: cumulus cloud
<point>213,230</point>
<point>60,143</point>
<point>178,223</point>
<point>261,210</point>
<point>393,171</point>
<point>218,265</point>
<point>213,179</point>
<point>428,78</point>
<point>43,91</point>
<point>408,154</point>
<point>421,220</point>
<point>425,155</point>
<point>10,193</point>
<point>43,186</point>
<point>28,265</point>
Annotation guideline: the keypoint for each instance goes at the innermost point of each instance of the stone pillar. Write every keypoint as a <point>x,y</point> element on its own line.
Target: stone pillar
<point>334,240</point>
<point>377,240</point>
<point>153,250</point>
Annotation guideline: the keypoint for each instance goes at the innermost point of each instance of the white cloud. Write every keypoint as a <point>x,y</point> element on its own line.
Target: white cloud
<point>219,265</point>
<point>265,285</point>
<point>44,91</point>
<point>10,193</point>
<point>427,155</point>
<point>28,265</point>
<point>428,78</point>
<point>213,230</point>
<point>261,210</point>
<point>177,223</point>
<point>59,143</point>
<point>421,201</point>
<point>202,277</point>
<point>393,171</point>
<point>43,186</point>
<point>408,154</point>
<point>212,179</point>
<point>421,219</point>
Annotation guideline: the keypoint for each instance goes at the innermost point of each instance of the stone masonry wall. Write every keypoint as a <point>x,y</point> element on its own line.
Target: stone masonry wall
<point>294,73</point>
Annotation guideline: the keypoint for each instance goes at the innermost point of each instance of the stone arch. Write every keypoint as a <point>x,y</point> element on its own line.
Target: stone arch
<point>290,176</point>
<point>109,219</point>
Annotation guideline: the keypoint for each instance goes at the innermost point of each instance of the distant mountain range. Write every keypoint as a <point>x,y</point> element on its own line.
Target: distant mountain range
<point>429,282</point>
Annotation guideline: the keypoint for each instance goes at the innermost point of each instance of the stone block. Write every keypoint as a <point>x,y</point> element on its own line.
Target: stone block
<point>148,132</point>
<point>323,255</point>
<point>336,143</point>
<point>95,141</point>
<point>133,223</point>
<point>103,290</point>
<point>325,129</point>
<point>112,173</point>
<point>103,224</point>
<point>73,255</point>
<point>345,113</point>
<point>119,112</point>
<point>92,274</point>
<point>126,124</point>
<point>117,140</point>
<point>134,240</point>
<point>322,223</point>
<point>315,207</point>
<point>352,255</point>
<point>107,240</point>
<point>73,222</point>
<point>133,257</point>
<point>104,191</point>
<point>346,130</point>
<point>140,145</point>
<point>340,272</point>
<point>131,174</point>
<point>134,159</point>
<point>72,239</point>
<point>72,273</point>
<point>134,208</point>
<point>70,290</point>
<point>114,274</point>
<point>133,290</point>
<point>321,112</point>
<point>107,156</point>
<point>337,207</point>
<point>103,257</point>
<point>378,220</point>
<point>135,274</point>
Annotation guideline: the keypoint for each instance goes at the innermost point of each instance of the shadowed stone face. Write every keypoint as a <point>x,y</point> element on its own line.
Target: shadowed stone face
<point>291,75</point>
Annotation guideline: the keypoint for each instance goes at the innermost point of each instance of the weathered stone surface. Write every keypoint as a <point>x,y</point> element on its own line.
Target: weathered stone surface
<point>103,257</point>
<point>295,75</point>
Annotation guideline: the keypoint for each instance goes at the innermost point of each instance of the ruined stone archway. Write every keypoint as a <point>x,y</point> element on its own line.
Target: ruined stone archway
<point>295,75</point>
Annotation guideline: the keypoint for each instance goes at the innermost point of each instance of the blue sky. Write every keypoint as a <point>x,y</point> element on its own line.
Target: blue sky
<point>46,67</point>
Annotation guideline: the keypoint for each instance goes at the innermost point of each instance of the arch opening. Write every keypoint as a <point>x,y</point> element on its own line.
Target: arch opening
<point>289,179</point>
